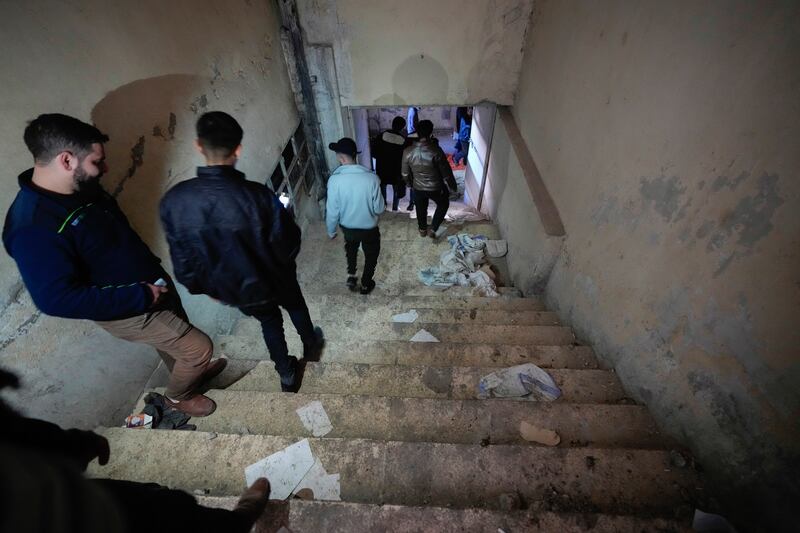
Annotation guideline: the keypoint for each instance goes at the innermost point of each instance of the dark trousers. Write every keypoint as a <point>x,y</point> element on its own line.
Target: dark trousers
<point>395,194</point>
<point>411,198</point>
<point>269,314</point>
<point>442,201</point>
<point>370,242</point>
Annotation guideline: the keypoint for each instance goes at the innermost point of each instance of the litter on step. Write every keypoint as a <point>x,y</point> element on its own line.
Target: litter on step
<point>315,419</point>
<point>292,469</point>
<point>526,380</point>
<point>531,433</point>
<point>462,265</point>
<point>406,318</point>
<point>424,336</point>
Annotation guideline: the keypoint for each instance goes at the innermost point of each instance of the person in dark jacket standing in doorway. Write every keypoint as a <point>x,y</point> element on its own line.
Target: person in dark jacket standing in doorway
<point>387,149</point>
<point>231,239</point>
<point>79,257</point>
<point>425,168</point>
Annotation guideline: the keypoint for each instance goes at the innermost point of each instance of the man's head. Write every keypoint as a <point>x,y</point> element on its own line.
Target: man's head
<point>67,151</point>
<point>398,123</point>
<point>219,138</point>
<point>345,149</point>
<point>425,129</point>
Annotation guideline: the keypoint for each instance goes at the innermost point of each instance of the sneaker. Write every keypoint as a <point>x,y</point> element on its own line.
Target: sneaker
<point>431,233</point>
<point>366,288</point>
<point>313,349</point>
<point>352,283</point>
<point>198,405</point>
<point>297,377</point>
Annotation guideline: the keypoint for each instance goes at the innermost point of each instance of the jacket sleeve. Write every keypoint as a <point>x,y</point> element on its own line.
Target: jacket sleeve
<point>332,208</point>
<point>284,234</point>
<point>378,203</point>
<point>405,168</point>
<point>445,171</point>
<point>183,265</point>
<point>49,270</point>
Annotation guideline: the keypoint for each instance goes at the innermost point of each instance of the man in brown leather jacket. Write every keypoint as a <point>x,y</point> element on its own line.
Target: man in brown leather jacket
<point>426,170</point>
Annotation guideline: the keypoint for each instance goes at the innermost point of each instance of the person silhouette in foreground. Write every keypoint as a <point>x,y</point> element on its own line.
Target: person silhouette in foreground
<point>43,489</point>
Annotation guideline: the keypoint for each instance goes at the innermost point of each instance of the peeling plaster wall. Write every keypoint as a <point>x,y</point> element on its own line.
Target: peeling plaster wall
<point>421,52</point>
<point>142,72</point>
<point>667,134</point>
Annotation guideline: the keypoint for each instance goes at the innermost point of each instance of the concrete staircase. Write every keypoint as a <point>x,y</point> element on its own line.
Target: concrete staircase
<point>415,449</point>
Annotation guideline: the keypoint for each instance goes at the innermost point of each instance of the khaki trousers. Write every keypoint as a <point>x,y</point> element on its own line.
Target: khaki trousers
<point>184,349</point>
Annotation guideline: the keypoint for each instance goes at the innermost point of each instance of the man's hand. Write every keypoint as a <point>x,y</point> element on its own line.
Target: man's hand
<point>157,293</point>
<point>332,236</point>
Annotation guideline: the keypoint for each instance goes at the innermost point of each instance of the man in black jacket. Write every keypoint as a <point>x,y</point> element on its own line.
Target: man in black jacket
<point>426,170</point>
<point>231,239</point>
<point>387,149</point>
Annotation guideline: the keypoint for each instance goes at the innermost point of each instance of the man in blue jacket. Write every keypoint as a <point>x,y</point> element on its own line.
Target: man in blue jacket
<point>354,203</point>
<point>80,258</point>
<point>231,238</point>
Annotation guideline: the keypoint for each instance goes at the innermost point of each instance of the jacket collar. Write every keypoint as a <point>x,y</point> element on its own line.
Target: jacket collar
<point>30,190</point>
<point>219,171</point>
<point>351,169</point>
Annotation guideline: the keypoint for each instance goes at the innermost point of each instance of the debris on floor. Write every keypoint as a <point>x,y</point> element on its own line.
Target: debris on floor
<point>462,265</point>
<point>165,417</point>
<point>496,248</point>
<point>293,469</point>
<point>406,318</point>
<point>531,433</point>
<point>322,485</point>
<point>423,336</point>
<point>315,419</point>
<point>139,421</point>
<point>526,380</point>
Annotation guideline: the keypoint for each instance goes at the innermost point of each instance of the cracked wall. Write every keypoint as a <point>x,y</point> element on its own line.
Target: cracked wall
<point>667,135</point>
<point>142,73</point>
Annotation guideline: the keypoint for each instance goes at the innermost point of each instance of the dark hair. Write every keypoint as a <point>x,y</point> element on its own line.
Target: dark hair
<point>398,123</point>
<point>48,135</point>
<point>425,128</point>
<point>218,133</point>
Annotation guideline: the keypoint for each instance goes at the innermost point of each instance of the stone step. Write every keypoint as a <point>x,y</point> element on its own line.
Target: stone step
<point>458,383</point>
<point>458,475</point>
<point>428,354</point>
<point>370,317</point>
<point>300,516</point>
<point>354,302</point>
<point>346,336</point>
<point>432,420</point>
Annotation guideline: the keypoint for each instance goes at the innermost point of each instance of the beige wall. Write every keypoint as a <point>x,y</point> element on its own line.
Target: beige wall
<point>143,72</point>
<point>668,134</point>
<point>421,52</point>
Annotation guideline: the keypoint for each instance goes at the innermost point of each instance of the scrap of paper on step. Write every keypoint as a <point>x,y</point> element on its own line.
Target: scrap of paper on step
<point>423,336</point>
<point>284,469</point>
<point>324,486</point>
<point>315,419</point>
<point>406,318</point>
<point>531,433</point>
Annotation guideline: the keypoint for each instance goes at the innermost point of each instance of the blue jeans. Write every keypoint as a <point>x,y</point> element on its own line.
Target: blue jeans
<point>272,328</point>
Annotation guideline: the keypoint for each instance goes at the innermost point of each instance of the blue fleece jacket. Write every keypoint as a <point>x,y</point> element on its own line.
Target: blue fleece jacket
<point>78,255</point>
<point>354,199</point>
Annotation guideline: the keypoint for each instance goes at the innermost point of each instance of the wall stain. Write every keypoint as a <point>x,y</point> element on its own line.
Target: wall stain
<point>173,122</point>
<point>724,181</point>
<point>664,196</point>
<point>199,104</point>
<point>137,160</point>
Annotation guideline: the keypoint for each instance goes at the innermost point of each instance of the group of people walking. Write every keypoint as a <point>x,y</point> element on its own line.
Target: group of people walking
<point>357,196</point>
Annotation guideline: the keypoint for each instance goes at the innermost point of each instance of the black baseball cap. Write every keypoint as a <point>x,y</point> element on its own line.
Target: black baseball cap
<point>345,145</point>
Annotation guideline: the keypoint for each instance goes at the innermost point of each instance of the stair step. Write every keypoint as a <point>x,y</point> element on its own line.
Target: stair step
<point>373,317</point>
<point>432,420</point>
<point>426,354</point>
<point>458,475</point>
<point>458,383</point>
<point>301,516</point>
<point>343,336</point>
<point>338,304</point>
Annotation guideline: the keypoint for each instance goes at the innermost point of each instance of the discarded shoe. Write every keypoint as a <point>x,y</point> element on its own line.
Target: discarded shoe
<point>198,405</point>
<point>367,288</point>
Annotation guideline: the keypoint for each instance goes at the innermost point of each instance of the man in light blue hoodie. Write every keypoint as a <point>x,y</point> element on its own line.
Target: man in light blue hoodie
<point>354,203</point>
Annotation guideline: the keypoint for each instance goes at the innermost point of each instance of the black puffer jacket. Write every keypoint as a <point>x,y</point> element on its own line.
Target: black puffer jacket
<point>425,167</point>
<point>231,238</point>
